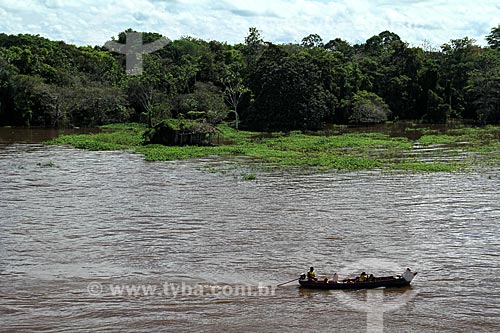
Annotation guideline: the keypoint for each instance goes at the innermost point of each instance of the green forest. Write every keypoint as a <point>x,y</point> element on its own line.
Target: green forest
<point>255,85</point>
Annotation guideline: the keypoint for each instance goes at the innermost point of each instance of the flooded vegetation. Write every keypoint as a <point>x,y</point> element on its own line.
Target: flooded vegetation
<point>410,149</point>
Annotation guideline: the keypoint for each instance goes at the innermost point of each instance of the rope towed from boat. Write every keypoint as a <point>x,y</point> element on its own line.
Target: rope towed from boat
<point>282,284</point>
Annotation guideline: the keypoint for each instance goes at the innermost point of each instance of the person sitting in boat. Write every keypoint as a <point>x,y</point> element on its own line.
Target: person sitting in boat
<point>335,278</point>
<point>408,275</point>
<point>311,275</point>
<point>371,278</point>
<point>363,277</point>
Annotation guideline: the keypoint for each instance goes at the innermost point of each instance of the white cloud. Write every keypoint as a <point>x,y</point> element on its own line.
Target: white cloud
<point>92,22</point>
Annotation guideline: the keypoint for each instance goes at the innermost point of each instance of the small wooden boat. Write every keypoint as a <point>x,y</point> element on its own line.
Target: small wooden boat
<point>376,282</point>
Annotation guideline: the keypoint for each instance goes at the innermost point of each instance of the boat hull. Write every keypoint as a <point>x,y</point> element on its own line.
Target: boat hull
<point>387,283</point>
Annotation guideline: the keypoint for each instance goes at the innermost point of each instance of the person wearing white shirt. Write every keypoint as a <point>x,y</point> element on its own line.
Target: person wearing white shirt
<point>408,275</point>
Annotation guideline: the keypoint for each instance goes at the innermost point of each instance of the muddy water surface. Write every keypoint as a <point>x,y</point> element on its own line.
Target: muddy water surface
<point>78,227</point>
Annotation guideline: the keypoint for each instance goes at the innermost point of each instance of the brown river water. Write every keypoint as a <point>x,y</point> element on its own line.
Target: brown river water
<point>106,242</point>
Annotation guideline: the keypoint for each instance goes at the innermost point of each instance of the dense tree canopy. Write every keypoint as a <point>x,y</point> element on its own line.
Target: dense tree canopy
<point>256,84</point>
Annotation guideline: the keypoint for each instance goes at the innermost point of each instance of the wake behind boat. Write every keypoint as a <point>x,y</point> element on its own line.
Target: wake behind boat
<point>359,283</point>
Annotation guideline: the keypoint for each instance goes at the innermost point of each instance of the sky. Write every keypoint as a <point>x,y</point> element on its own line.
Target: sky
<point>93,22</point>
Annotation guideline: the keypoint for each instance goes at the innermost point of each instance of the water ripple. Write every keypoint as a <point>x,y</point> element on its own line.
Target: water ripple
<point>71,217</point>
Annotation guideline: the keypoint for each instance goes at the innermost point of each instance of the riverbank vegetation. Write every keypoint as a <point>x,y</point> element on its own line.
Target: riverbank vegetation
<point>258,85</point>
<point>278,104</point>
<point>342,149</point>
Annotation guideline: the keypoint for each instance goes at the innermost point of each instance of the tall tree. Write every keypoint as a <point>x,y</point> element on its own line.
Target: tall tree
<point>391,68</point>
<point>254,46</point>
<point>458,58</point>
<point>234,90</point>
<point>289,92</point>
<point>493,38</point>
<point>483,88</point>
<point>341,46</point>
<point>313,40</point>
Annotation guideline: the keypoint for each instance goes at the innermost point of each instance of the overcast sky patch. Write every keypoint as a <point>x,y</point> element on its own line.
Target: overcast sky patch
<point>93,22</point>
